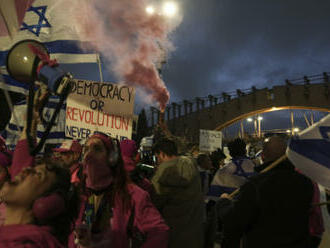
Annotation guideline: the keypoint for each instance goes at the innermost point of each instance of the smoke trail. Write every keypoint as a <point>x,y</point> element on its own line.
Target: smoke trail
<point>133,42</point>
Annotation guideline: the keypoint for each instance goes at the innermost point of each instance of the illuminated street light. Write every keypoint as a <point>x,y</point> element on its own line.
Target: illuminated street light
<point>150,10</point>
<point>260,118</point>
<point>296,130</point>
<point>170,9</point>
<point>249,119</point>
<point>288,131</point>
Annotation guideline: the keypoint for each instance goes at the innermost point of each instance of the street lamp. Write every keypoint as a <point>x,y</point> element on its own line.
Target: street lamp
<point>296,130</point>
<point>150,10</point>
<point>257,124</point>
<point>169,9</point>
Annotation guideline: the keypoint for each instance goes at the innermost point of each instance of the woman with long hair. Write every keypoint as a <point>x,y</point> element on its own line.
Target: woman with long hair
<point>115,213</point>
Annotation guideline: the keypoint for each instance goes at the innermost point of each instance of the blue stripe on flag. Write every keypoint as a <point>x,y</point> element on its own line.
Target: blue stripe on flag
<point>52,135</point>
<point>9,80</point>
<point>217,190</point>
<point>314,149</point>
<point>59,46</point>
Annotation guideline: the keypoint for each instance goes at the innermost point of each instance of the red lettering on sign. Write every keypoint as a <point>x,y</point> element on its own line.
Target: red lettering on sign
<point>118,120</point>
<point>92,119</point>
<point>74,112</point>
<point>81,114</point>
<point>88,120</point>
<point>68,113</point>
<point>125,124</point>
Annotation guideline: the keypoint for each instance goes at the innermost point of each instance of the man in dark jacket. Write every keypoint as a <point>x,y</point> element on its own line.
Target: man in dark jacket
<point>272,209</point>
<point>178,195</point>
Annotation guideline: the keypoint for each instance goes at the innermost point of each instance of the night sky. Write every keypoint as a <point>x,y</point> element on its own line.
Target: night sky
<point>224,45</point>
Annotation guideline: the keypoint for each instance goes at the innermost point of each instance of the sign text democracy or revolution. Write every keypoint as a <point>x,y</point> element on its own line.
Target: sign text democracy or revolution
<point>103,90</point>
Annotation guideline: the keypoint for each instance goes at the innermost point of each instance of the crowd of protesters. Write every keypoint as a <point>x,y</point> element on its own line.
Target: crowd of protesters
<point>95,195</point>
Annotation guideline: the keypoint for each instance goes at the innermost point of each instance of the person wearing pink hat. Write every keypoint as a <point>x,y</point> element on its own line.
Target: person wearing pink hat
<point>69,153</point>
<point>114,212</point>
<point>128,150</point>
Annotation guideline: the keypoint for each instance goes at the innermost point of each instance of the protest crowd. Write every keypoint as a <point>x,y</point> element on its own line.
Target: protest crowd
<point>100,187</point>
<point>96,195</point>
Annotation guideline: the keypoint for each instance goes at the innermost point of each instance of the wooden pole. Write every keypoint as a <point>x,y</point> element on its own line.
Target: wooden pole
<point>271,166</point>
<point>11,107</point>
<point>100,67</point>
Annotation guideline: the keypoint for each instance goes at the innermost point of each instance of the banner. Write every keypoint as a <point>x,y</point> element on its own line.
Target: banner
<point>104,107</point>
<point>209,140</point>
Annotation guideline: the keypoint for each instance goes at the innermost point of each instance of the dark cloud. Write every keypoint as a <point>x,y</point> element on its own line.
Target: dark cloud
<point>223,45</point>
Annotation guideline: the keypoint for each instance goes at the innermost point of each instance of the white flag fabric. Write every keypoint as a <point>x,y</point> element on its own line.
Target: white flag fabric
<point>310,152</point>
<point>56,136</point>
<point>47,21</point>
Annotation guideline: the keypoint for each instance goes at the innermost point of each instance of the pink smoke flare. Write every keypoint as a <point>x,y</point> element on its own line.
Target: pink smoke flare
<point>134,43</point>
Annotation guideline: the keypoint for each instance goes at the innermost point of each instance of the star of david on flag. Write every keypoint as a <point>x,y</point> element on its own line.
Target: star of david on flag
<point>46,21</point>
<point>42,22</point>
<point>310,152</point>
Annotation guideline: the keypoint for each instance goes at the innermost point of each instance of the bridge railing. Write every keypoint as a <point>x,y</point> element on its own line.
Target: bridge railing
<point>177,109</point>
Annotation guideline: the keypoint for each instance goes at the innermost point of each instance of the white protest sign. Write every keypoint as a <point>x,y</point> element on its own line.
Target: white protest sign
<point>97,106</point>
<point>209,140</point>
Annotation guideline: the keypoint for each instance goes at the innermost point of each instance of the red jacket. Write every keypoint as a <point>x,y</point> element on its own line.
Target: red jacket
<point>27,236</point>
<point>146,218</point>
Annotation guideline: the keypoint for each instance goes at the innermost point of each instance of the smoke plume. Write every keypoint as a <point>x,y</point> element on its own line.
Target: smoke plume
<point>134,43</point>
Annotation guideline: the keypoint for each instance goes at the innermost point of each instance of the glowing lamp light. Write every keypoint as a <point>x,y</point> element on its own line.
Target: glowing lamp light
<point>296,130</point>
<point>249,119</point>
<point>170,9</point>
<point>288,131</point>
<point>150,10</point>
<point>259,118</point>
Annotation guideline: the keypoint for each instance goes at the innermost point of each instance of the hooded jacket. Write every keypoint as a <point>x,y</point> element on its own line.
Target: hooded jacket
<point>146,219</point>
<point>179,199</point>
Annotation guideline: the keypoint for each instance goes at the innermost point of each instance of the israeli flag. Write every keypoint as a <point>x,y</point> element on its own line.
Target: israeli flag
<point>49,22</point>
<point>310,152</point>
<point>15,126</point>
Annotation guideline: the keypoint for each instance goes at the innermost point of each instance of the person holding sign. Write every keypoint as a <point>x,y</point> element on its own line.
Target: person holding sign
<point>114,213</point>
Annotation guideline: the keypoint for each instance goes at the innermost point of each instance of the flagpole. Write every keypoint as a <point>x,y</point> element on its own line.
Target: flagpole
<point>100,66</point>
<point>101,75</point>
<point>11,107</point>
